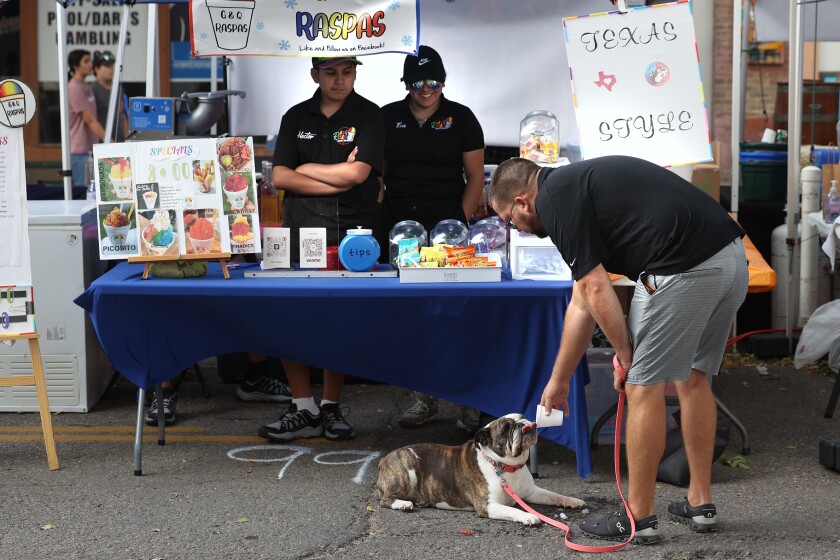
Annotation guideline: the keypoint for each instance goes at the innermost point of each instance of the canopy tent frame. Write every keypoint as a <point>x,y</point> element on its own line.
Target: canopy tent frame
<point>152,69</point>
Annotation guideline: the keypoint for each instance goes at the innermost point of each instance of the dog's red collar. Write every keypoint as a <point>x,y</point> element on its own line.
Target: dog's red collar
<point>501,466</point>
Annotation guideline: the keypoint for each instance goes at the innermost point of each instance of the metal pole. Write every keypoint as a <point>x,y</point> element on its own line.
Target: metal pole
<point>740,26</point>
<point>794,143</point>
<point>115,86</point>
<point>214,75</point>
<point>152,86</point>
<point>64,110</point>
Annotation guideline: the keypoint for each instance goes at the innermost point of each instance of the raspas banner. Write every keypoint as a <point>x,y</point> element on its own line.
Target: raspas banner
<point>303,28</point>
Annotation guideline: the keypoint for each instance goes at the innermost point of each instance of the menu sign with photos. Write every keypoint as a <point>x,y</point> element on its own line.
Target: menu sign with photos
<point>176,197</point>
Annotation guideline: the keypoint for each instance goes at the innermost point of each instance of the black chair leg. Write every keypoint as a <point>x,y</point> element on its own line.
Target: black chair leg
<point>204,390</point>
<point>832,400</point>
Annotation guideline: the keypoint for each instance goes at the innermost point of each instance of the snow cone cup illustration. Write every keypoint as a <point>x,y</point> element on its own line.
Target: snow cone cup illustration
<point>117,235</point>
<point>158,235</point>
<point>120,177</point>
<point>241,235</point>
<point>116,226</point>
<point>149,198</point>
<point>236,189</point>
<point>231,21</point>
<point>13,101</point>
<point>201,235</point>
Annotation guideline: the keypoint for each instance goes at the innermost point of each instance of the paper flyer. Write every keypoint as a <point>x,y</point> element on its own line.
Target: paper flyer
<point>15,261</point>
<point>176,197</point>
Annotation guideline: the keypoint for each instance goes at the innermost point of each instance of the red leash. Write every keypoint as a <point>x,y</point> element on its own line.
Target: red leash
<point>619,416</point>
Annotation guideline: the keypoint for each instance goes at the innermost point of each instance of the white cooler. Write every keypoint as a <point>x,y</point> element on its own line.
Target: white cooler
<point>65,260</point>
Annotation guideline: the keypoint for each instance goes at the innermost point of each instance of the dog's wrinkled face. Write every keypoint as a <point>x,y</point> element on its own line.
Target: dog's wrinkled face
<point>507,437</point>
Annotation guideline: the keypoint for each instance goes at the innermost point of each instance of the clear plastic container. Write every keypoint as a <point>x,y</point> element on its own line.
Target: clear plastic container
<point>450,232</point>
<point>490,236</point>
<point>483,209</point>
<point>538,137</point>
<point>407,229</point>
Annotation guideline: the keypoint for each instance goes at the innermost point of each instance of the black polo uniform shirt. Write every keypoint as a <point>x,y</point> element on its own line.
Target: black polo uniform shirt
<point>307,136</point>
<point>424,165</point>
<point>630,215</point>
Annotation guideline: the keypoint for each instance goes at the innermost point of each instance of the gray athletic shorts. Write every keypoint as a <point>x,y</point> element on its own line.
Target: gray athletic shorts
<point>685,323</point>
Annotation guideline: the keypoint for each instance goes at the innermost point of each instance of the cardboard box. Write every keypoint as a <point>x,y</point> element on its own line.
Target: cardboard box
<point>706,177</point>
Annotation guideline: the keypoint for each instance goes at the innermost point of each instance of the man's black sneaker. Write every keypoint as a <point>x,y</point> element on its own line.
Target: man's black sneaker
<point>617,527</point>
<point>293,424</point>
<point>701,519</point>
<point>335,426</point>
<point>264,389</point>
<point>169,400</point>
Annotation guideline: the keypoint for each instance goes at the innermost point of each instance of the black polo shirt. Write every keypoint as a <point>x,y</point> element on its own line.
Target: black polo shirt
<point>307,136</point>
<point>630,215</point>
<point>424,163</point>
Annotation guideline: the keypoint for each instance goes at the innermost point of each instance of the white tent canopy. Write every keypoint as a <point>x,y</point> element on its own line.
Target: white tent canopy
<point>780,20</point>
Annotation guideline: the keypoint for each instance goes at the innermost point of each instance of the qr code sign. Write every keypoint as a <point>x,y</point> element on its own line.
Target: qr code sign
<point>276,246</point>
<point>313,248</point>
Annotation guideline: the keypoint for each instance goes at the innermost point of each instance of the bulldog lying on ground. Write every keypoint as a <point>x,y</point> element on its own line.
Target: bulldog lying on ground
<point>467,477</point>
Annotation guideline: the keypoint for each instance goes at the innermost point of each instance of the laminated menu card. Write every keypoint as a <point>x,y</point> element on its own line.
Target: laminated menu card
<point>187,196</point>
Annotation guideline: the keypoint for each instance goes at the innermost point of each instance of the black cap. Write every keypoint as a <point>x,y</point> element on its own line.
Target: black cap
<point>427,65</point>
<point>105,57</point>
<point>327,61</point>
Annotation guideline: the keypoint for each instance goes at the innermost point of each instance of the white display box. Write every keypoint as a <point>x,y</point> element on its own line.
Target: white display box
<point>532,258</point>
<point>454,274</point>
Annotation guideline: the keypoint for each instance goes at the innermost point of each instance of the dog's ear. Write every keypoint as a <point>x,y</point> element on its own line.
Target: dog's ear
<point>483,437</point>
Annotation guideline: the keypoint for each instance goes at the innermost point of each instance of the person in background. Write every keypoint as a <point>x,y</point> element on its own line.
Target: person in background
<point>329,150</point>
<point>434,170</point>
<point>259,384</point>
<point>85,129</point>
<point>103,70</point>
<point>632,217</point>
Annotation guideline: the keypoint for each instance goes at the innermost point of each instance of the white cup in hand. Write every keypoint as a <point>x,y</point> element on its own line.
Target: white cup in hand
<point>544,421</point>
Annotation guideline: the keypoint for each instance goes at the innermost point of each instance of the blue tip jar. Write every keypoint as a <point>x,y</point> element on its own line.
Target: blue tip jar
<point>359,251</point>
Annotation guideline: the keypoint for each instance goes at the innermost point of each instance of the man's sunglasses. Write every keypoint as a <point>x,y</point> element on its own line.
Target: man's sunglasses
<point>431,84</point>
<point>101,57</point>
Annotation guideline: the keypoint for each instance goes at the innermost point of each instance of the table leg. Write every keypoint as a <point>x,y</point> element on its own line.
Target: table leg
<point>745,438</point>
<point>138,434</point>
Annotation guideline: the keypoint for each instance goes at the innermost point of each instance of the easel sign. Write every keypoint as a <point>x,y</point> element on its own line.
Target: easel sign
<point>169,199</point>
<point>636,84</point>
<point>17,312</point>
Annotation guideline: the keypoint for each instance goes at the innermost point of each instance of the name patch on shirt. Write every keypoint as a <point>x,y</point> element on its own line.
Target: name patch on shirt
<point>443,124</point>
<point>345,135</point>
<point>400,125</point>
<point>302,135</point>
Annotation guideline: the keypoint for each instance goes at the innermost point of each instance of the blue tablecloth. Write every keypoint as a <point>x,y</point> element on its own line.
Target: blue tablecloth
<point>490,346</point>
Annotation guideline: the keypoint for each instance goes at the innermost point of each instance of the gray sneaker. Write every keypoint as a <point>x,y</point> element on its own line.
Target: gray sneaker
<point>421,412</point>
<point>470,420</point>
<point>293,424</point>
<point>264,389</point>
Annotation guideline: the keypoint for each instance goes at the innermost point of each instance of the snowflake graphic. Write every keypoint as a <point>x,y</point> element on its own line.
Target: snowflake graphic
<point>407,40</point>
<point>204,36</point>
<point>284,44</point>
<point>395,5</point>
<point>260,26</point>
<point>291,4</point>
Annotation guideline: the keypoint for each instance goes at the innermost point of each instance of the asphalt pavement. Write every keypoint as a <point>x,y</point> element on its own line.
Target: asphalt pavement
<point>217,491</point>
